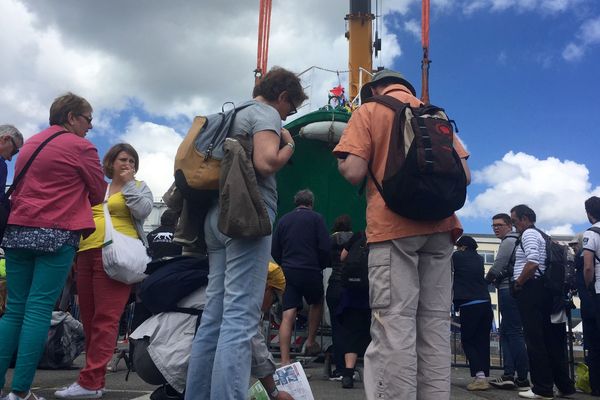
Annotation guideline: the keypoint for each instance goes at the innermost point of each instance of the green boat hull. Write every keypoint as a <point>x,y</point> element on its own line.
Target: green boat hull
<point>313,166</point>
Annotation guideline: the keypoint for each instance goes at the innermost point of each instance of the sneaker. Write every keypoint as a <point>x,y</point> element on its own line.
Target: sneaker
<point>504,382</point>
<point>30,396</point>
<point>75,391</point>
<point>347,382</point>
<point>530,395</point>
<point>478,384</point>
<point>335,376</point>
<point>522,384</point>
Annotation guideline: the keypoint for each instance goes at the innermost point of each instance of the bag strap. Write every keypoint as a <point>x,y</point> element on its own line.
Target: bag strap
<point>398,107</point>
<point>28,163</point>
<point>213,142</point>
<point>108,226</point>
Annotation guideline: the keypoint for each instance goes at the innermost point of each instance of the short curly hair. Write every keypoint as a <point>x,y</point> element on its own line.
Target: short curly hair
<point>277,81</point>
<point>111,156</point>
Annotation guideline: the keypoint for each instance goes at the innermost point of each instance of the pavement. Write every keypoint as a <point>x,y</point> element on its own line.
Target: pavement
<point>46,382</point>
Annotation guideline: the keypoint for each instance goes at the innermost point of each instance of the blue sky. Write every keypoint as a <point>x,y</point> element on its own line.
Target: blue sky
<point>519,77</point>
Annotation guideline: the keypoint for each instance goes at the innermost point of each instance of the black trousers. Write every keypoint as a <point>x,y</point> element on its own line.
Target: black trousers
<point>546,342</point>
<point>334,293</point>
<point>475,326</point>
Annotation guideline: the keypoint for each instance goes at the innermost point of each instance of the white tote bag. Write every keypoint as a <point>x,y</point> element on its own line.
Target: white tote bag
<point>124,258</point>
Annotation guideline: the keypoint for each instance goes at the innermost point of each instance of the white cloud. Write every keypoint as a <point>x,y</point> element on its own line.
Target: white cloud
<point>413,26</point>
<point>573,52</point>
<point>543,6</point>
<point>555,189</point>
<point>587,36</point>
<point>566,230</point>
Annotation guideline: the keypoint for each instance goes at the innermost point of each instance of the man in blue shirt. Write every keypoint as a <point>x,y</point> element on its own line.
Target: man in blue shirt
<point>301,245</point>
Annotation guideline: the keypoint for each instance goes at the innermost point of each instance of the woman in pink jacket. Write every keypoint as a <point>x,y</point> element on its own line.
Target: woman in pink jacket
<point>50,211</point>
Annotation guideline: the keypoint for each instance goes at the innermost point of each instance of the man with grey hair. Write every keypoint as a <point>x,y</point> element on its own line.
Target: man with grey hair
<point>301,246</point>
<point>11,141</point>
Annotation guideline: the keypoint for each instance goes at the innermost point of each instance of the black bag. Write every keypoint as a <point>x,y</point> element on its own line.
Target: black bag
<point>5,208</point>
<point>424,179</point>
<point>172,281</point>
<point>355,268</point>
<point>65,342</point>
<point>556,262</point>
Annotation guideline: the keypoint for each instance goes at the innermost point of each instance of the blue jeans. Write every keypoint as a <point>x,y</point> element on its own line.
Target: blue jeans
<point>219,366</point>
<point>35,279</point>
<point>512,341</point>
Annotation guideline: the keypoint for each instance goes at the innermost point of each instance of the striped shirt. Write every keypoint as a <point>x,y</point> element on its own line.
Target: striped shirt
<point>532,248</point>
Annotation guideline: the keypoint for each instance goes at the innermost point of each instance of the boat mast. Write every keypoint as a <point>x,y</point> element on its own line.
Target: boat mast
<point>426,61</point>
<point>360,37</point>
<point>264,27</point>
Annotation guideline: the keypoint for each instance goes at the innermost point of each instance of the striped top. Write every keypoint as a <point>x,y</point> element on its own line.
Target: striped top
<point>532,248</point>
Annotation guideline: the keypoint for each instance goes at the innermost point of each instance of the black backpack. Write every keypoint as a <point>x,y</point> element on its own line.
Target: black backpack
<point>355,268</point>
<point>170,281</point>
<point>424,178</point>
<point>557,260</point>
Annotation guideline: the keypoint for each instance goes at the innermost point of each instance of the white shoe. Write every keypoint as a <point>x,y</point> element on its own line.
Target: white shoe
<point>30,396</point>
<point>75,391</point>
<point>530,395</point>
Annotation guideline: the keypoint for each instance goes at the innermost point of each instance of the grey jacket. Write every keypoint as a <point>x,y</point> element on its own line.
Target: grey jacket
<point>499,273</point>
<point>139,200</point>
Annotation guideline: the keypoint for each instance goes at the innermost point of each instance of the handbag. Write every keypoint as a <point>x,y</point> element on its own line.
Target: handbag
<point>242,211</point>
<point>124,258</point>
<point>5,207</point>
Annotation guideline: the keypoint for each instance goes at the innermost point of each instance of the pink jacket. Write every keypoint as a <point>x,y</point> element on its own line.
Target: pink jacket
<point>62,184</point>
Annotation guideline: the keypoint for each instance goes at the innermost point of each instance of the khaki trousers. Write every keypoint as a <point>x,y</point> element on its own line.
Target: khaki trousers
<point>410,290</point>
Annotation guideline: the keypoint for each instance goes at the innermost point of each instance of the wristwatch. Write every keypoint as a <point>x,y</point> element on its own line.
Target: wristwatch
<point>273,395</point>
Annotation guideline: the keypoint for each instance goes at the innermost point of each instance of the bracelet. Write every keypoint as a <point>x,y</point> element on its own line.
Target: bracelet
<point>292,145</point>
<point>274,393</point>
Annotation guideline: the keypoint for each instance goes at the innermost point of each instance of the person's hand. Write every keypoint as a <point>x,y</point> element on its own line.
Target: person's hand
<point>286,136</point>
<point>284,396</point>
<point>127,174</point>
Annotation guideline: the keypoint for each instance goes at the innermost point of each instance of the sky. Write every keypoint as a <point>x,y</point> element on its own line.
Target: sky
<point>519,77</point>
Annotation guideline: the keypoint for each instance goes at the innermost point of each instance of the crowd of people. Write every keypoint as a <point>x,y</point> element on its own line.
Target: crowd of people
<point>398,319</point>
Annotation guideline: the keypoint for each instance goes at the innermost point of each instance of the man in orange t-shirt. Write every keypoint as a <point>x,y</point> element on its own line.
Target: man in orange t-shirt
<point>410,278</point>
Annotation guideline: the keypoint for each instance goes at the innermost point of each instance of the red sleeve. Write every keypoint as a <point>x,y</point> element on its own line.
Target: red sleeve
<point>92,175</point>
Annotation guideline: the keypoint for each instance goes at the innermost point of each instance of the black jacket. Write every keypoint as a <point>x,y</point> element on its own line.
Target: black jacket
<point>469,283</point>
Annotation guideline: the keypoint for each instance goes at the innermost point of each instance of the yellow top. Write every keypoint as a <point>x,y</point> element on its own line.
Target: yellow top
<point>275,278</point>
<point>119,216</point>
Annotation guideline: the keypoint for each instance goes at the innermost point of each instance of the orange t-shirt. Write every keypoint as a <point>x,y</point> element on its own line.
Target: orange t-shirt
<point>367,136</point>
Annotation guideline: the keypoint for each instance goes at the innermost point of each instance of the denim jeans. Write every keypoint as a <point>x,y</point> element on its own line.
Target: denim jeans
<point>514,352</point>
<point>219,366</point>
<point>35,280</point>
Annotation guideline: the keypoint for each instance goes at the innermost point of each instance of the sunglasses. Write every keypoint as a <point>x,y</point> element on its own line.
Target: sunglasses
<point>15,147</point>
<point>88,119</point>
<point>293,110</point>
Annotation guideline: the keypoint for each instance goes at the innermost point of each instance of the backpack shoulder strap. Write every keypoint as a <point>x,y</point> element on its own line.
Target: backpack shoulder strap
<point>388,101</point>
<point>595,229</point>
<point>398,107</point>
